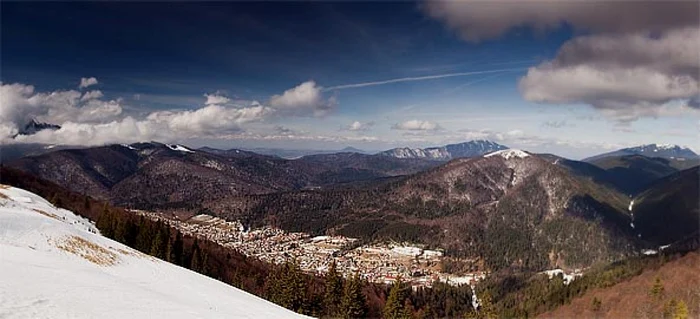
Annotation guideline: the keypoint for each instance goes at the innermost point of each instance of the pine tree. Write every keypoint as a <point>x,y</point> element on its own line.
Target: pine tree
<point>158,244</point>
<point>292,288</point>
<point>486,307</point>
<point>196,259</point>
<point>680,311</point>
<point>272,286</point>
<point>395,304</point>
<point>144,238</point>
<point>105,222</point>
<point>86,203</point>
<point>596,304</point>
<point>333,292</point>
<point>657,290</point>
<point>177,250</point>
<point>353,304</point>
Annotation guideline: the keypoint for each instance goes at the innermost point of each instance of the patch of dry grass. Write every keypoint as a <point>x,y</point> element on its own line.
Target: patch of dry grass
<point>45,213</point>
<point>88,250</point>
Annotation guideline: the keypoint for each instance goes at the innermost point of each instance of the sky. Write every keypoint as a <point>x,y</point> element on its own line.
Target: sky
<point>564,77</point>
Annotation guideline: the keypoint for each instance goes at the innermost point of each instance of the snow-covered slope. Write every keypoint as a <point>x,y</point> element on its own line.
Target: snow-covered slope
<point>447,152</point>
<point>54,264</point>
<point>509,153</point>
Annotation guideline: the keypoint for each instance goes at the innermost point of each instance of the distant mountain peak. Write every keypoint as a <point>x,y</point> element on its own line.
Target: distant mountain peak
<point>668,151</point>
<point>447,152</point>
<point>179,148</point>
<point>352,150</point>
<point>509,153</point>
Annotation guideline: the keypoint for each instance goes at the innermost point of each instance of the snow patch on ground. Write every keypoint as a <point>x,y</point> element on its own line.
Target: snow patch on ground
<point>55,264</point>
<point>128,146</point>
<point>180,148</point>
<point>568,278</point>
<point>649,252</point>
<point>509,153</point>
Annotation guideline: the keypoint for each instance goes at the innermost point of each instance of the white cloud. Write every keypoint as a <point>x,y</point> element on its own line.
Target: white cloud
<point>85,82</point>
<point>306,98</point>
<point>358,126</point>
<point>637,56</point>
<point>625,76</point>
<point>416,125</point>
<point>478,20</point>
<point>20,104</point>
<point>88,120</point>
<point>91,95</point>
<point>216,99</point>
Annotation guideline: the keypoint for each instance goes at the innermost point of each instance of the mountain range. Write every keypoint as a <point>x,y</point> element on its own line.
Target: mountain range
<point>447,152</point>
<point>472,206</point>
<point>668,151</point>
<point>168,175</point>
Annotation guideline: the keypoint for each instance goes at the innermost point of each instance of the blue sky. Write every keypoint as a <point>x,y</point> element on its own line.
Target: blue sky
<point>331,75</point>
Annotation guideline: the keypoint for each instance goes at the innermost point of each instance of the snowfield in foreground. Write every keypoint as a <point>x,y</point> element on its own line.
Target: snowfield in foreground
<point>54,264</point>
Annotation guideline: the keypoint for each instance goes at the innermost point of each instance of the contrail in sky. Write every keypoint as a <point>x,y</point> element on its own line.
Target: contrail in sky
<point>416,78</point>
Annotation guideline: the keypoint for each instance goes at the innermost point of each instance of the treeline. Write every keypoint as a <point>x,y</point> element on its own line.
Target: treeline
<point>522,295</point>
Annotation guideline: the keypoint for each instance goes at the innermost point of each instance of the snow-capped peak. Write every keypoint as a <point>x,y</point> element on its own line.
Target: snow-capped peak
<point>180,148</point>
<point>669,147</point>
<point>509,153</point>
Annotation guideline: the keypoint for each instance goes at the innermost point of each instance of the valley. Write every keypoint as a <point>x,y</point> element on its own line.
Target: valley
<point>375,262</point>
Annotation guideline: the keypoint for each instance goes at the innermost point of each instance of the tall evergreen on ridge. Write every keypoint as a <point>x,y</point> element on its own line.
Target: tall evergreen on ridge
<point>333,292</point>
<point>353,304</point>
<point>176,253</point>
<point>395,307</point>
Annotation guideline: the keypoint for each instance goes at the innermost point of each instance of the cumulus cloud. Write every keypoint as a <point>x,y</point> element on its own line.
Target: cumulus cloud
<point>85,119</point>
<point>477,20</point>
<point>358,126</point>
<point>625,76</point>
<point>416,125</point>
<point>306,98</point>
<point>85,82</point>
<point>637,60</point>
<point>20,103</point>
<point>216,99</point>
<point>91,95</point>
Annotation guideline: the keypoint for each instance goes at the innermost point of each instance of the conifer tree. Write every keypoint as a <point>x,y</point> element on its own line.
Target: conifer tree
<point>353,304</point>
<point>86,203</point>
<point>657,290</point>
<point>158,244</point>
<point>195,260</point>
<point>177,250</point>
<point>395,304</point>
<point>486,307</point>
<point>681,310</point>
<point>105,222</point>
<point>293,288</point>
<point>334,290</point>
